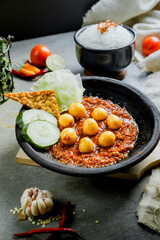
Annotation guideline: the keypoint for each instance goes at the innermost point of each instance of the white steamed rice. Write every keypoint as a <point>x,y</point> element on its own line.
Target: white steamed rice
<point>116,37</point>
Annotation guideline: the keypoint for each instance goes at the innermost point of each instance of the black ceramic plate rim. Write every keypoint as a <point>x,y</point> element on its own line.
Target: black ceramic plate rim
<point>105,50</point>
<point>56,166</point>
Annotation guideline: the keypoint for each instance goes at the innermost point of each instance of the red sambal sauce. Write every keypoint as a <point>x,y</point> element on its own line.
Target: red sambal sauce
<point>126,137</point>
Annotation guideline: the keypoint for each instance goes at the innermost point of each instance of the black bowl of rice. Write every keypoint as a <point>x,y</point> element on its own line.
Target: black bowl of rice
<point>105,49</point>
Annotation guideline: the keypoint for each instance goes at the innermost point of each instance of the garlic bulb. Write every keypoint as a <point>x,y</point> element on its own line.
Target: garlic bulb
<point>35,201</point>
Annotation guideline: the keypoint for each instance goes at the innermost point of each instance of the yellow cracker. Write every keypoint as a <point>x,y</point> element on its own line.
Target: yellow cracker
<point>44,100</point>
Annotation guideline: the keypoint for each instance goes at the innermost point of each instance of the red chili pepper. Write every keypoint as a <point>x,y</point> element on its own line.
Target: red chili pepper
<point>22,75</point>
<point>49,230</point>
<point>45,230</point>
<point>63,218</point>
<point>64,214</point>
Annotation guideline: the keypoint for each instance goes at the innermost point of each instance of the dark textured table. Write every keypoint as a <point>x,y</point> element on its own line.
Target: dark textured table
<point>110,204</point>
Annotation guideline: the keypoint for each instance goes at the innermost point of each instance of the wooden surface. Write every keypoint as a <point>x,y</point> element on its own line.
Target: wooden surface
<point>118,75</point>
<point>21,157</point>
<point>133,173</point>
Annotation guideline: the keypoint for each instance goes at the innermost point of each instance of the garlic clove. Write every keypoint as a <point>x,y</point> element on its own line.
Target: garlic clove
<point>49,204</point>
<point>25,194</point>
<point>41,206</point>
<point>25,202</point>
<point>35,190</point>
<point>44,192</point>
<point>40,194</point>
<point>28,211</point>
<point>48,194</point>
<point>21,216</point>
<point>34,208</point>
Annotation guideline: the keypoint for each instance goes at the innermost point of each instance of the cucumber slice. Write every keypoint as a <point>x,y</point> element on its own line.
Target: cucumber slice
<point>34,114</point>
<point>41,133</point>
<point>55,62</point>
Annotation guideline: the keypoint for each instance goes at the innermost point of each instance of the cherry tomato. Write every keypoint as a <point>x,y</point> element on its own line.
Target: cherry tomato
<point>39,55</point>
<point>150,44</point>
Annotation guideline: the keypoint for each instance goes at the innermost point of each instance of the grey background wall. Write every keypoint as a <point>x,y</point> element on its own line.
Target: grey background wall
<point>33,18</point>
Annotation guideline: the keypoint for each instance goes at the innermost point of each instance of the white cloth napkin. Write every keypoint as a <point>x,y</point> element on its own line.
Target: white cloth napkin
<point>118,11</point>
<point>151,63</point>
<point>152,88</point>
<point>148,211</point>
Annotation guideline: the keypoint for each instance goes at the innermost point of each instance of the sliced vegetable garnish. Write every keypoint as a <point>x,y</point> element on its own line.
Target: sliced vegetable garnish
<point>41,133</point>
<point>67,86</point>
<point>34,114</point>
<point>55,62</point>
<point>32,68</point>
<point>29,76</point>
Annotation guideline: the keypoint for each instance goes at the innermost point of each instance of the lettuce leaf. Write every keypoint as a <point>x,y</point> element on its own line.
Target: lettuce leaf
<point>68,87</point>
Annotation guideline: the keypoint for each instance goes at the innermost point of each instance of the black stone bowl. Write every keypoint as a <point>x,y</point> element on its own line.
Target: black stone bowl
<point>138,105</point>
<point>105,62</point>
